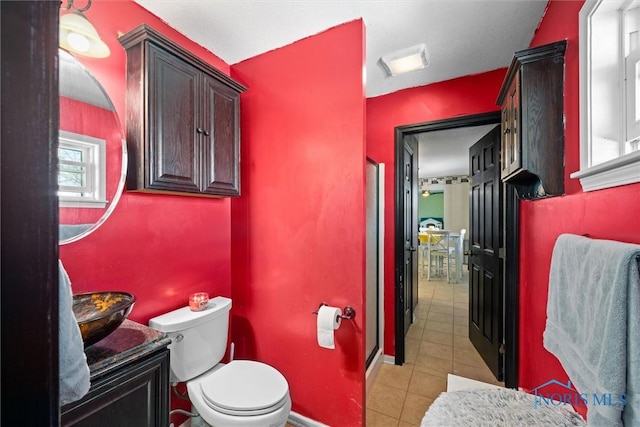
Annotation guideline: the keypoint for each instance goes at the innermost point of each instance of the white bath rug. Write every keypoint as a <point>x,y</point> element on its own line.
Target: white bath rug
<point>500,407</point>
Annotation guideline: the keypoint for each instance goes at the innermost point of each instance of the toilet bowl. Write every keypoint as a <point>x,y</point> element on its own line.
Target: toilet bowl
<point>240,393</point>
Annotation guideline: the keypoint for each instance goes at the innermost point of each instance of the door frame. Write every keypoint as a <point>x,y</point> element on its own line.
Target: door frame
<point>511,220</point>
<point>376,363</point>
<point>29,303</point>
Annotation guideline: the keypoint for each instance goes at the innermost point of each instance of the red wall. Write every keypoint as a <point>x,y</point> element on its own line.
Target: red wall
<point>160,248</point>
<point>607,214</point>
<point>464,96</point>
<point>298,229</point>
<point>603,214</point>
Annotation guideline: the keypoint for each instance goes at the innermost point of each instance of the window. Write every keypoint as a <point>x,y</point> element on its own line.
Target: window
<point>609,94</point>
<point>81,171</point>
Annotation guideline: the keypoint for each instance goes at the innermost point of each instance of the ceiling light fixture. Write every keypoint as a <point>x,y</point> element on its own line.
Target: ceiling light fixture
<point>77,35</point>
<point>405,60</point>
<point>426,193</point>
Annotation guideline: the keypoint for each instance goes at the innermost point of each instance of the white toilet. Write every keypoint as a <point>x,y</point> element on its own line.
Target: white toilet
<point>240,393</point>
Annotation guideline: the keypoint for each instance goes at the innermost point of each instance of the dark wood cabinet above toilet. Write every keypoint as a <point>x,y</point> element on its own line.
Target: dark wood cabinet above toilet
<point>183,120</point>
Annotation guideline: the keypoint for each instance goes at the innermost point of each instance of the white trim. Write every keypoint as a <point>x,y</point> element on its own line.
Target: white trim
<point>373,370</point>
<point>381,206</point>
<point>302,421</point>
<point>389,360</point>
<point>376,364</point>
<point>96,171</point>
<point>586,12</point>
<point>620,171</point>
<point>294,419</point>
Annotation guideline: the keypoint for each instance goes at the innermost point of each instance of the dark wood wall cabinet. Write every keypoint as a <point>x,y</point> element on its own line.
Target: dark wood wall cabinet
<point>183,120</point>
<point>531,100</point>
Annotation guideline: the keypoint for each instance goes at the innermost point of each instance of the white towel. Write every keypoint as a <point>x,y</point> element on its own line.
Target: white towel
<point>74,371</point>
<point>593,323</point>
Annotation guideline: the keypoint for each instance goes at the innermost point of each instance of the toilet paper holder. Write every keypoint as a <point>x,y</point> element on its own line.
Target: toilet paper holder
<point>348,312</point>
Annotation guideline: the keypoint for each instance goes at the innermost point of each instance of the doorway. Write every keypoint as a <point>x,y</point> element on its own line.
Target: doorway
<point>509,285</point>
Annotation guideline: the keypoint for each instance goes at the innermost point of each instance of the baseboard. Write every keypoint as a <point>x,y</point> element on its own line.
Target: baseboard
<point>373,370</point>
<point>389,360</point>
<point>298,420</point>
<point>295,419</point>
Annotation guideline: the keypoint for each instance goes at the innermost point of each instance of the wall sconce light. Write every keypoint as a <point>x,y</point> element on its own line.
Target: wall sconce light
<point>77,35</point>
<point>405,60</point>
<point>426,193</point>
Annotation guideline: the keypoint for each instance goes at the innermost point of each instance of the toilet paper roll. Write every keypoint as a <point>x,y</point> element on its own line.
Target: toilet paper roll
<point>328,321</point>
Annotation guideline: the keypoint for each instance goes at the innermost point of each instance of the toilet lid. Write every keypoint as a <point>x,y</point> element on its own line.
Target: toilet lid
<point>245,387</point>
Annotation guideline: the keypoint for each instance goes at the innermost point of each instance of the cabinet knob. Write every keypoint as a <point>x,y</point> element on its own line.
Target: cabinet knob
<point>507,130</point>
<point>206,133</point>
<point>199,130</point>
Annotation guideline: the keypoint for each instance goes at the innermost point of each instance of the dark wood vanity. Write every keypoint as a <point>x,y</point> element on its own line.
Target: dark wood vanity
<point>183,120</point>
<point>129,381</point>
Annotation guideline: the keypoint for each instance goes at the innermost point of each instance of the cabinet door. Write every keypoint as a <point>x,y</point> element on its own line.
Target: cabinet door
<point>136,395</point>
<point>511,154</point>
<point>172,149</point>
<point>505,139</point>
<point>221,140</point>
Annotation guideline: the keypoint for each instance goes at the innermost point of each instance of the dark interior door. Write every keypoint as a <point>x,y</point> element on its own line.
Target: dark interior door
<point>410,293</point>
<point>406,215</point>
<point>485,264</point>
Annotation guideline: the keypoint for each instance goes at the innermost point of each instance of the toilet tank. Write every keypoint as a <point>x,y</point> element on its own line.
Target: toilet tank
<point>198,338</point>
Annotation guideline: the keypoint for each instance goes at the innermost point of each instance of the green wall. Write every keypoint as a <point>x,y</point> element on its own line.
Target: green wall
<point>431,206</point>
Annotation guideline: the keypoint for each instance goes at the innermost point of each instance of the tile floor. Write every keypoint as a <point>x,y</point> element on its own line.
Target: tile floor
<point>437,344</point>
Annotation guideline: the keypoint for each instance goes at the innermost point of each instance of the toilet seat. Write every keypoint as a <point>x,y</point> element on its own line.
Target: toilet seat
<point>245,388</point>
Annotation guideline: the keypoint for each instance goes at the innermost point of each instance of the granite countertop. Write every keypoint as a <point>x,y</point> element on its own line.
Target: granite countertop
<point>131,341</point>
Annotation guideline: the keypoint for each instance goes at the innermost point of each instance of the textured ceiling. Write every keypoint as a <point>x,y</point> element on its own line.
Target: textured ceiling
<point>462,36</point>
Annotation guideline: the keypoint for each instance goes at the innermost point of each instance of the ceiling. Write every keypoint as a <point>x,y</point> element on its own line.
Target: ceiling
<point>463,37</point>
<point>446,152</point>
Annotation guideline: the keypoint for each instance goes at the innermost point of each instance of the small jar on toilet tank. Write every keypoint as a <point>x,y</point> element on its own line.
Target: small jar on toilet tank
<point>198,301</point>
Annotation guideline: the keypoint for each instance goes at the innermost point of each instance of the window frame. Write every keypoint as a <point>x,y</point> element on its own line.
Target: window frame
<point>94,195</point>
<point>624,169</point>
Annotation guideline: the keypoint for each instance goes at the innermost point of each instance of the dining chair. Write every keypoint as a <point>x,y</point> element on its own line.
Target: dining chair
<point>456,253</point>
<point>423,238</point>
<point>437,252</point>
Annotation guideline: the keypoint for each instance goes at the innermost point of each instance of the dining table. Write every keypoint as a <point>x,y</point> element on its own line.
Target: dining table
<point>438,243</point>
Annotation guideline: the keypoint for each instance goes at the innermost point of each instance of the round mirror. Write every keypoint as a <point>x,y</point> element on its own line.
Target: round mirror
<point>92,152</point>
